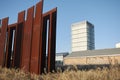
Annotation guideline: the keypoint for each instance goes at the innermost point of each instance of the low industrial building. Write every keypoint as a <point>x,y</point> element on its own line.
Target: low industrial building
<point>93,57</point>
<point>59,58</point>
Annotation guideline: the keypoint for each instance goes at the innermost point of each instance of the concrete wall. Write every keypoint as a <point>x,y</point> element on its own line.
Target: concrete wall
<point>118,45</point>
<point>82,34</point>
<point>92,60</point>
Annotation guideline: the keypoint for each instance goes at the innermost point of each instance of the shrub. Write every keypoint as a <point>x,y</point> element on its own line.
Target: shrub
<point>113,73</point>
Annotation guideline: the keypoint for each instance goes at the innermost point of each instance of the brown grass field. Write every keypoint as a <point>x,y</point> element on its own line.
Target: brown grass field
<point>93,74</point>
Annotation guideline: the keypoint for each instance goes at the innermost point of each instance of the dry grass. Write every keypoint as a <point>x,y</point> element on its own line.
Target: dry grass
<point>98,74</point>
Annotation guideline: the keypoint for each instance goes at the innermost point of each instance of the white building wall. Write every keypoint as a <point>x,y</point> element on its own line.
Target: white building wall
<point>82,36</point>
<point>79,40</point>
<point>59,58</point>
<point>118,45</point>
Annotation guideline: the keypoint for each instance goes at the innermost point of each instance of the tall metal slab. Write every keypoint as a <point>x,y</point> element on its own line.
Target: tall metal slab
<point>34,64</point>
<point>3,40</point>
<point>52,40</point>
<point>9,48</point>
<point>27,39</point>
<point>10,42</point>
<point>30,40</point>
<point>43,45</point>
<point>18,39</point>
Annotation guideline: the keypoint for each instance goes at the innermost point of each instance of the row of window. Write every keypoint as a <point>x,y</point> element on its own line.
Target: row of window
<point>83,40</point>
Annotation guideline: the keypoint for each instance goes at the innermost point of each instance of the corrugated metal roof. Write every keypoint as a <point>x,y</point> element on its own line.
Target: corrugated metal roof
<point>113,51</point>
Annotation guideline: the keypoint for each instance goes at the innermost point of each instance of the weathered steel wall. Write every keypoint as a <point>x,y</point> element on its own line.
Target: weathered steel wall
<point>9,48</point>
<point>18,39</point>
<point>9,52</point>
<point>27,39</point>
<point>34,64</point>
<point>30,39</point>
<point>52,41</point>
<point>3,40</point>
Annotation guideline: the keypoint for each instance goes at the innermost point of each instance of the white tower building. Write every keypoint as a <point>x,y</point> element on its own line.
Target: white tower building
<point>82,36</point>
<point>118,45</point>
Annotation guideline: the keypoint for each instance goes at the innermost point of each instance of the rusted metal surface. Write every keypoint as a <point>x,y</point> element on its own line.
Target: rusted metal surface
<point>30,40</point>
<point>43,45</point>
<point>34,64</point>
<point>18,39</point>
<point>52,41</point>
<point>3,40</point>
<point>46,14</point>
<point>9,48</point>
<point>27,39</point>
<point>12,26</point>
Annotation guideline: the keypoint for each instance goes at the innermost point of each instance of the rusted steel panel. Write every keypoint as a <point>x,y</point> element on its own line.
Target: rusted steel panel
<point>27,38</point>
<point>9,48</point>
<point>34,64</point>
<point>2,40</point>
<point>12,26</point>
<point>43,45</point>
<point>46,14</point>
<point>18,39</point>
<point>52,41</point>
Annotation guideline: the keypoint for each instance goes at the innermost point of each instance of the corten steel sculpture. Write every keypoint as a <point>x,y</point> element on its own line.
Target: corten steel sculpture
<point>3,40</point>
<point>28,38</point>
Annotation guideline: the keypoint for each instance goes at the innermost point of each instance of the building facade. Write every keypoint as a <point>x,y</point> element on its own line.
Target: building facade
<point>94,57</point>
<point>59,58</point>
<point>117,45</point>
<point>82,36</point>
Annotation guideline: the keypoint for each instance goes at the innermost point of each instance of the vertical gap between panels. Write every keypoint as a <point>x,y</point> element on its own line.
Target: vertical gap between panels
<point>13,39</point>
<point>47,36</point>
<point>47,41</point>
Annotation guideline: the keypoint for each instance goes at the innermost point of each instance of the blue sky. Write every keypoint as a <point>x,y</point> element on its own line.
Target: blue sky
<point>104,14</point>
